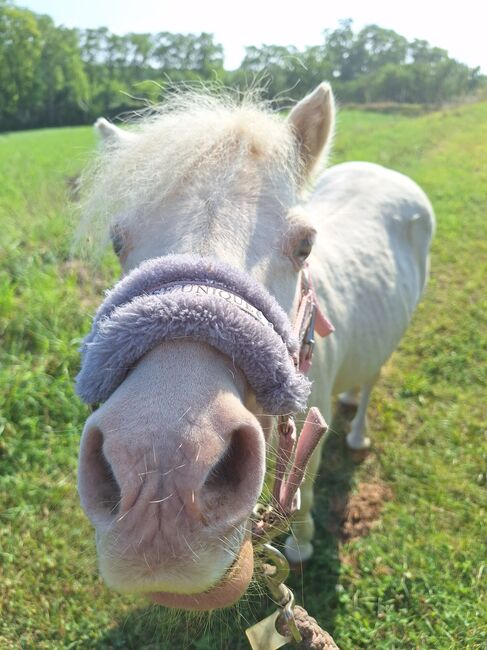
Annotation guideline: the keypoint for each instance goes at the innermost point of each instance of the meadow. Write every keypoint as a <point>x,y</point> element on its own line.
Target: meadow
<point>417,580</point>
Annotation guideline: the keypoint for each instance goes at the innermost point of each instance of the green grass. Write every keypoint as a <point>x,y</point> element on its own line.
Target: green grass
<point>418,580</point>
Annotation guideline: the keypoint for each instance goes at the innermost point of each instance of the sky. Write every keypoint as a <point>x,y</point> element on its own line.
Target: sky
<point>459,27</point>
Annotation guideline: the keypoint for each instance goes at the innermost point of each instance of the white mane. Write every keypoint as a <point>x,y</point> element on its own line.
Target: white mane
<point>191,137</point>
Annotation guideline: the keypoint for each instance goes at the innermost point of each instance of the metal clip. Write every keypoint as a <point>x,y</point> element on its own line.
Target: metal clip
<point>276,573</point>
<point>264,635</point>
<point>310,331</point>
<point>307,334</point>
<point>287,615</point>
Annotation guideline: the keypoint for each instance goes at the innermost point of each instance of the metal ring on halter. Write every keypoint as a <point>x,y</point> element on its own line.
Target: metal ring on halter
<point>275,579</point>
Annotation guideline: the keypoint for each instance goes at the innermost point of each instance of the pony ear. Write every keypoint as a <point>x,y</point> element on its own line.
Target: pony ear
<point>312,121</point>
<point>110,133</point>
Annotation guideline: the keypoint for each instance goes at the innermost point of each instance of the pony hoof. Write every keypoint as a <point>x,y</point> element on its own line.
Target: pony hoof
<point>360,444</point>
<point>297,554</point>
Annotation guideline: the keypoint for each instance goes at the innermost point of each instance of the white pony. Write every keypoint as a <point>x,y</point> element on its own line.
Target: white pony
<point>172,464</point>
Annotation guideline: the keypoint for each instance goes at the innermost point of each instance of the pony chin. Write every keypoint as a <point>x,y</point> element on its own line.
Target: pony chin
<point>215,572</point>
<point>225,593</point>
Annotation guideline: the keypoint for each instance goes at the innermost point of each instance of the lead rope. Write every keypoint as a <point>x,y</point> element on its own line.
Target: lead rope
<point>290,624</point>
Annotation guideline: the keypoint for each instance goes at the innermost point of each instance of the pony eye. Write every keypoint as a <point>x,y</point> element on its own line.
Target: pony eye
<point>303,250</point>
<point>117,240</point>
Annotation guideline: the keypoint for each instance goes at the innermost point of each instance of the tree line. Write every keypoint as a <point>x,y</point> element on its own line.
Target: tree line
<point>51,75</point>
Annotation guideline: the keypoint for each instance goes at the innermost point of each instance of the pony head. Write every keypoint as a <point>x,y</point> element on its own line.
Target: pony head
<point>173,462</point>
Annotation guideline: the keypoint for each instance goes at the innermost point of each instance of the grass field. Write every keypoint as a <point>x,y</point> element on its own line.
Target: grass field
<point>417,581</point>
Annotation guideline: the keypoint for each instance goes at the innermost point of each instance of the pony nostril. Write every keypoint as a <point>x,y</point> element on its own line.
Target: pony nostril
<point>99,490</point>
<point>233,485</point>
<point>227,472</point>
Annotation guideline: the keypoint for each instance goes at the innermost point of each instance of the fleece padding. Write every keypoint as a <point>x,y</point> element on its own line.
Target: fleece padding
<point>160,301</point>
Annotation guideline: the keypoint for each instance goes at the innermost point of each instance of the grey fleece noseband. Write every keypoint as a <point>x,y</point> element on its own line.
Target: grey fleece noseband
<point>183,296</point>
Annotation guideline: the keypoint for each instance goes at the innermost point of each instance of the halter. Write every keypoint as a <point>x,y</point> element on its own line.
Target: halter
<point>309,319</point>
<point>202,298</point>
<point>293,455</point>
<point>185,296</point>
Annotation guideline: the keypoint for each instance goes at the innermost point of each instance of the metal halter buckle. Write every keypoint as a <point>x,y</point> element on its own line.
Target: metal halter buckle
<point>308,343</point>
<point>264,635</point>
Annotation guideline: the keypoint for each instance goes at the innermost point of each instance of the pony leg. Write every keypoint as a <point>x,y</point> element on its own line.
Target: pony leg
<point>298,547</point>
<point>350,397</point>
<point>357,439</point>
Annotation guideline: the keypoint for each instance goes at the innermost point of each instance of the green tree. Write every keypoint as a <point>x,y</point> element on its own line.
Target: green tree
<point>379,47</point>
<point>60,92</point>
<point>141,49</point>
<point>50,75</point>
<point>20,50</point>
<point>340,51</point>
<point>395,83</point>
<point>188,55</point>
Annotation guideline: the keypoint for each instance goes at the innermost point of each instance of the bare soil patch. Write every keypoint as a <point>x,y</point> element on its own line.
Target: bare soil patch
<point>354,515</point>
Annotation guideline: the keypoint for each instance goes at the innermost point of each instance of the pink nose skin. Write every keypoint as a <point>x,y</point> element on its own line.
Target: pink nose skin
<point>215,484</point>
<point>170,483</point>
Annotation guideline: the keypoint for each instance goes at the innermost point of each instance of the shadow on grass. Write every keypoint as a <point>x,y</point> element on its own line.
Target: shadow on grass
<point>317,588</point>
<point>154,628</point>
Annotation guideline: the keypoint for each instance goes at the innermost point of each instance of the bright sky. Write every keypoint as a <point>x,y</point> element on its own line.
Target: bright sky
<point>459,27</point>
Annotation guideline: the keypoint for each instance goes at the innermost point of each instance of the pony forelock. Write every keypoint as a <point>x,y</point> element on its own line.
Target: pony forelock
<point>188,138</point>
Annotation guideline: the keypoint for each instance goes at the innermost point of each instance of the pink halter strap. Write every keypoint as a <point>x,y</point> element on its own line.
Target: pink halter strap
<point>309,318</point>
<point>293,453</point>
